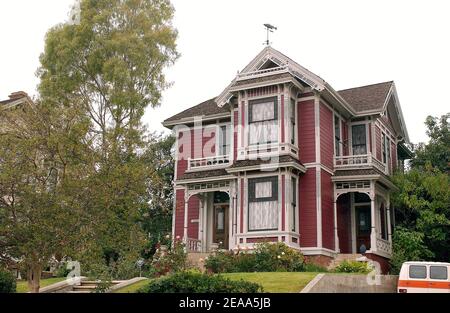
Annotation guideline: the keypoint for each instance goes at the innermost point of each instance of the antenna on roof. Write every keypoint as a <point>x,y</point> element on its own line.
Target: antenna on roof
<point>270,29</point>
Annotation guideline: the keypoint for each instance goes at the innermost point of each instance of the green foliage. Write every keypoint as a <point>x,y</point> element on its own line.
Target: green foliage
<point>422,206</point>
<point>267,257</point>
<point>437,151</point>
<point>7,282</point>
<point>170,261</point>
<point>192,282</point>
<point>408,245</point>
<point>311,267</point>
<point>62,270</point>
<point>353,267</point>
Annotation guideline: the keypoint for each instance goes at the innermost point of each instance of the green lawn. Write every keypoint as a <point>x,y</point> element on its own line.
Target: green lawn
<point>278,282</point>
<point>133,288</point>
<point>22,286</point>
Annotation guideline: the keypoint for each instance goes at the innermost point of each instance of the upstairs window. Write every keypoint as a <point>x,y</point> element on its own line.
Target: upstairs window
<point>337,136</point>
<point>293,118</point>
<point>224,141</point>
<point>263,121</point>
<point>386,150</point>
<point>263,204</point>
<point>359,139</point>
<point>293,216</point>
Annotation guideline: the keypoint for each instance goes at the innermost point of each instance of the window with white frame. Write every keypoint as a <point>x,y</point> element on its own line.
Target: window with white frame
<point>263,121</point>
<point>293,217</point>
<point>386,150</point>
<point>337,136</point>
<point>263,204</point>
<point>293,119</point>
<point>224,140</point>
<point>359,139</point>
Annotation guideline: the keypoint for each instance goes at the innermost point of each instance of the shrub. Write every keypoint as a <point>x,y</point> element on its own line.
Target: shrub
<point>173,260</point>
<point>311,267</point>
<point>194,282</point>
<point>267,257</point>
<point>62,270</point>
<point>353,267</point>
<point>408,245</point>
<point>7,282</point>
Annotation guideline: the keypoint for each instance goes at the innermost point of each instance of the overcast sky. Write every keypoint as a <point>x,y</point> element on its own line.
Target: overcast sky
<point>347,43</point>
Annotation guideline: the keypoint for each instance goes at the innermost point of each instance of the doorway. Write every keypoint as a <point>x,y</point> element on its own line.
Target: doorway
<point>220,225</point>
<point>363,226</point>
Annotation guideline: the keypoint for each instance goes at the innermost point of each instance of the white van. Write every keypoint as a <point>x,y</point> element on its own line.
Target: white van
<point>424,277</point>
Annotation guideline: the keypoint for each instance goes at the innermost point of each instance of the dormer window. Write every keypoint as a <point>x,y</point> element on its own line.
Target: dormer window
<point>263,121</point>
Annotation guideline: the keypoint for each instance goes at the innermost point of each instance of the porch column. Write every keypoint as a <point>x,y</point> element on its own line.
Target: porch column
<point>373,233</point>
<point>186,206</point>
<point>388,212</point>
<point>336,237</point>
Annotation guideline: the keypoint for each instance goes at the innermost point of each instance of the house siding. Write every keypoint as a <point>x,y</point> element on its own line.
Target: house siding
<point>327,211</point>
<point>306,131</point>
<point>326,136</point>
<point>193,214</point>
<point>308,211</point>
<point>235,134</point>
<point>394,156</point>
<point>179,214</point>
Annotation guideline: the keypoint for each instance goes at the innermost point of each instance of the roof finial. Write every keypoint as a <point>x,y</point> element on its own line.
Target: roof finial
<point>270,29</point>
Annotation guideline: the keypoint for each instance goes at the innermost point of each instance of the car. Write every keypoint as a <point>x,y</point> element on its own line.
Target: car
<point>424,277</point>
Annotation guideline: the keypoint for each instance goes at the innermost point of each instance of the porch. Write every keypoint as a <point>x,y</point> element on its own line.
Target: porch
<point>213,227</point>
<point>363,218</point>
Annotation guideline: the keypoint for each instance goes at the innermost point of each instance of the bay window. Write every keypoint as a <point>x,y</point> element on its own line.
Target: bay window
<point>263,204</point>
<point>359,139</point>
<point>293,216</point>
<point>263,121</point>
<point>224,141</point>
<point>293,118</point>
<point>337,136</point>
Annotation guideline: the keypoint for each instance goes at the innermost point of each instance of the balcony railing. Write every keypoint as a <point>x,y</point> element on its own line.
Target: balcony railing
<point>209,162</point>
<point>359,161</point>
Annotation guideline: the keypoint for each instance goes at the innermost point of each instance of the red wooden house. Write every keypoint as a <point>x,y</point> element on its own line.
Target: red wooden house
<point>281,156</point>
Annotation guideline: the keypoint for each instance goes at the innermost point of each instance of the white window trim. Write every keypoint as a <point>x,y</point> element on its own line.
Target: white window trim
<point>350,137</point>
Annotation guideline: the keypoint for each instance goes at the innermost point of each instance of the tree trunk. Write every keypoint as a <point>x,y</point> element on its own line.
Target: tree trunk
<point>34,272</point>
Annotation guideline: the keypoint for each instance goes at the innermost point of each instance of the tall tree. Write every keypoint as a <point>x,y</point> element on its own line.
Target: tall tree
<point>111,64</point>
<point>437,151</point>
<point>43,166</point>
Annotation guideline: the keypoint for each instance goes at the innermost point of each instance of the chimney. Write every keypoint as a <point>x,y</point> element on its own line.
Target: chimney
<point>18,95</point>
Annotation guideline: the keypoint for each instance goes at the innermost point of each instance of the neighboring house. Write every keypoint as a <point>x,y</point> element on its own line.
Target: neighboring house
<point>280,156</point>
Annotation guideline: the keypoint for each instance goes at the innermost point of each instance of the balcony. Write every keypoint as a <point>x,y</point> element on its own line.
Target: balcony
<point>362,161</point>
<point>209,163</point>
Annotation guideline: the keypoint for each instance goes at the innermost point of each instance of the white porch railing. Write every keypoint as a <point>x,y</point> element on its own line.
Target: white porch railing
<point>384,246</point>
<point>358,161</point>
<point>193,245</point>
<point>209,162</point>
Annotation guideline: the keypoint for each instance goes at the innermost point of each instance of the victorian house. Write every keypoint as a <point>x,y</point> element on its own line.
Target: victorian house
<point>281,156</point>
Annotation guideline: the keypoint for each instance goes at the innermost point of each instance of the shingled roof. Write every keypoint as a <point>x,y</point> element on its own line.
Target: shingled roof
<point>367,98</point>
<point>206,108</point>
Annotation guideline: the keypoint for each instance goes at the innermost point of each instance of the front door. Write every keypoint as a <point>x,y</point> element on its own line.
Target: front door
<point>363,227</point>
<point>220,230</point>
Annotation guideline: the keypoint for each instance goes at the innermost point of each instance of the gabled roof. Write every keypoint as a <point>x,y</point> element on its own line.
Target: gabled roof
<point>16,98</point>
<point>367,98</point>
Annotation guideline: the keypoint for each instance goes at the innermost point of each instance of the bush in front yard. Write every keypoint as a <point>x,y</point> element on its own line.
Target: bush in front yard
<point>173,260</point>
<point>195,282</point>
<point>267,257</point>
<point>353,267</point>
<point>7,282</point>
